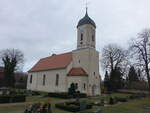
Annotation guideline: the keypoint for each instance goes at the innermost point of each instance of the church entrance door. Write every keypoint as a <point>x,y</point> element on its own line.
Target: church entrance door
<point>94,90</point>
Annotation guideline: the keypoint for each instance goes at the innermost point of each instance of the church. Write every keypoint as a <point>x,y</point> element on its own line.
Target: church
<point>57,72</point>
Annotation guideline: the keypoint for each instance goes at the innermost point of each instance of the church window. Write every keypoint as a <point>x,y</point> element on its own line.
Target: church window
<point>57,79</point>
<point>94,73</point>
<point>81,37</point>
<point>31,79</point>
<point>79,61</point>
<point>84,86</point>
<point>93,38</point>
<point>44,77</point>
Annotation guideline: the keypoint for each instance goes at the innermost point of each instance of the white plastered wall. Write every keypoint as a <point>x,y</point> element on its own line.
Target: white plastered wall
<point>50,82</point>
<point>88,59</point>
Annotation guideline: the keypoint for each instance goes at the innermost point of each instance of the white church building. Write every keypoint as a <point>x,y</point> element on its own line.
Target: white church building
<point>81,66</point>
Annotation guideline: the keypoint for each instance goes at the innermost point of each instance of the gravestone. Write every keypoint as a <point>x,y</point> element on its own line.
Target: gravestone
<point>97,111</point>
<point>83,105</point>
<point>146,107</point>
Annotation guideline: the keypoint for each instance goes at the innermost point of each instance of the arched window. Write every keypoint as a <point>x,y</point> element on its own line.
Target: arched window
<point>31,79</point>
<point>93,39</point>
<point>84,86</point>
<point>57,79</point>
<point>81,37</point>
<point>44,77</point>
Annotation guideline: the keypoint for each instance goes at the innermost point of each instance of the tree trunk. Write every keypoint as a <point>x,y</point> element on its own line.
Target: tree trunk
<point>148,76</point>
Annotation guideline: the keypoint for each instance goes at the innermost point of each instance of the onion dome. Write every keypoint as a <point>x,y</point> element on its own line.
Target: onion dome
<point>86,20</point>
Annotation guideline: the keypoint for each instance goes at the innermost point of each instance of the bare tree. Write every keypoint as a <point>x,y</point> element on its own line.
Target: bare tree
<point>114,60</point>
<point>140,48</point>
<point>11,59</point>
<point>113,57</point>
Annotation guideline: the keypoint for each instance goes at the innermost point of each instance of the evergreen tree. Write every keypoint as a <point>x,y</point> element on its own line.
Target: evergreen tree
<point>107,82</point>
<point>72,89</point>
<point>116,79</point>
<point>132,76</point>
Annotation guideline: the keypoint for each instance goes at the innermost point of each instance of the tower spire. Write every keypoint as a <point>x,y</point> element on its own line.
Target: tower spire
<point>86,7</point>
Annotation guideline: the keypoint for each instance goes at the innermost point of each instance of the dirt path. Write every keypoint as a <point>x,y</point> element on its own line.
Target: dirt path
<point>14,104</point>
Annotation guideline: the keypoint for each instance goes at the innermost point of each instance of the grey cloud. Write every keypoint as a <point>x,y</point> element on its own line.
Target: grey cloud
<point>42,27</point>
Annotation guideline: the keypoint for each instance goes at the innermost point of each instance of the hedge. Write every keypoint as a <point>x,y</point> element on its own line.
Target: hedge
<point>71,106</point>
<point>119,99</point>
<point>12,98</point>
<point>136,96</point>
<point>66,95</point>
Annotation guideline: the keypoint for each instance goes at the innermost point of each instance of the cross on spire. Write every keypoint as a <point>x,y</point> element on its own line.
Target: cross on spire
<point>86,6</point>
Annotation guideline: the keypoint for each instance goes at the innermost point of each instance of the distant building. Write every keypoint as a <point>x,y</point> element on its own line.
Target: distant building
<point>81,66</point>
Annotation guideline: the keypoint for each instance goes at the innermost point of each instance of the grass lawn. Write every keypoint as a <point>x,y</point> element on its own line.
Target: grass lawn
<point>41,99</point>
<point>132,106</point>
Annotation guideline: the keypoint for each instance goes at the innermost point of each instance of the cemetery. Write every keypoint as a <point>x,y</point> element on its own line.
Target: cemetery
<point>107,103</point>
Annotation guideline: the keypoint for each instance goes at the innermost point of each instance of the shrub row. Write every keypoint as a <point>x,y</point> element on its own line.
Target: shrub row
<point>136,96</point>
<point>71,108</point>
<point>12,98</point>
<point>66,95</point>
<point>59,95</point>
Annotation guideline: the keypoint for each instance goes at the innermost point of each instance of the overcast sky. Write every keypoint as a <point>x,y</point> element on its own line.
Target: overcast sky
<point>42,27</point>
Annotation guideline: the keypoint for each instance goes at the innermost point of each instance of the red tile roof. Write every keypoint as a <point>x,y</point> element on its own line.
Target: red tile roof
<point>77,71</point>
<point>53,62</point>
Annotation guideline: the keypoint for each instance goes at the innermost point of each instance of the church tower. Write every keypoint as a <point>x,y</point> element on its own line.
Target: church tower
<point>86,32</point>
<point>87,57</point>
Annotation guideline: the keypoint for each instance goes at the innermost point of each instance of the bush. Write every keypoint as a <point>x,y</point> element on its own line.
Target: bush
<point>71,107</point>
<point>12,98</point>
<point>80,95</point>
<point>111,100</point>
<point>102,102</point>
<point>118,99</point>
<point>66,95</point>
<point>4,99</point>
<point>18,98</point>
<point>136,96</point>
<point>59,95</point>
<point>89,106</point>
